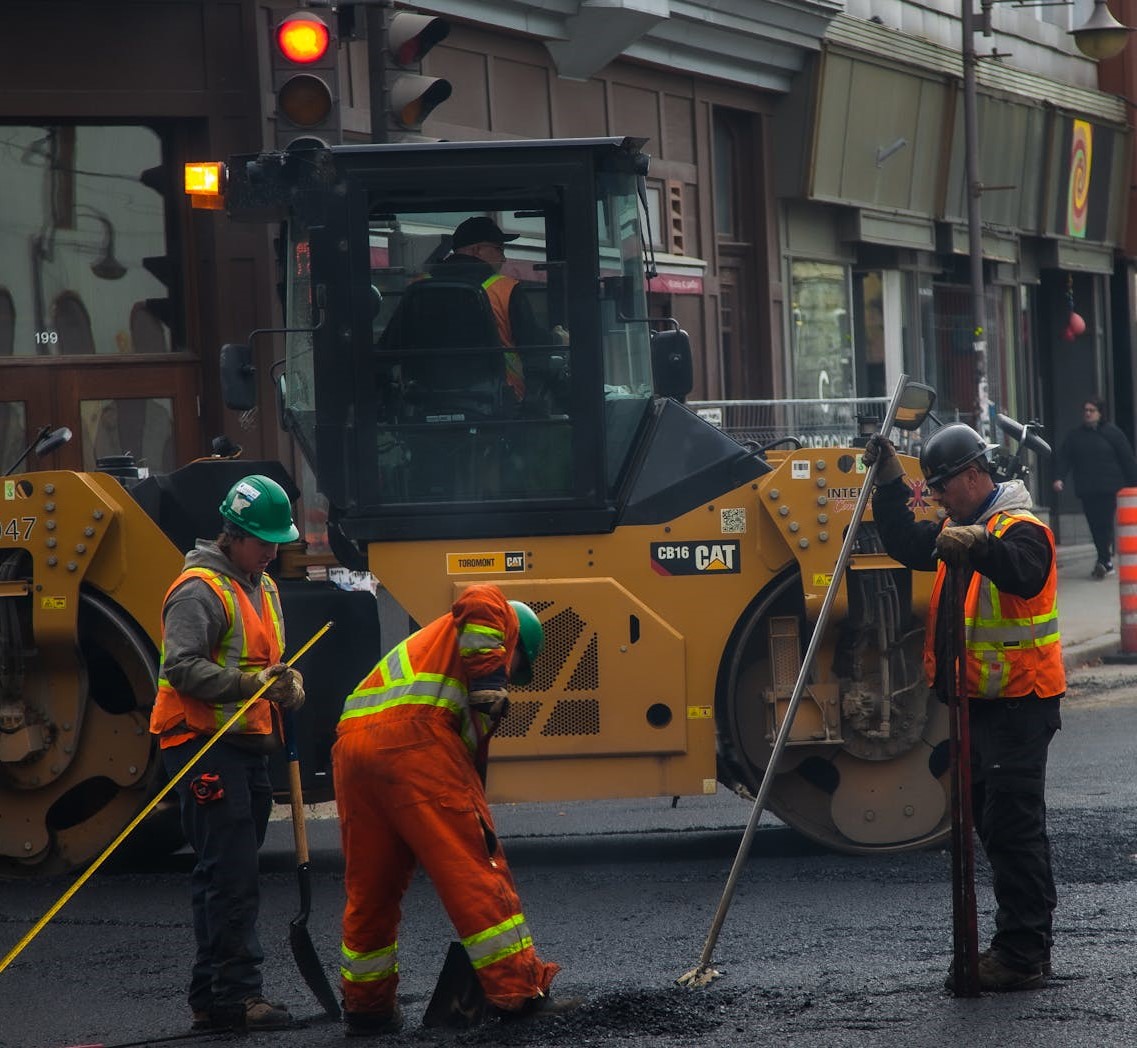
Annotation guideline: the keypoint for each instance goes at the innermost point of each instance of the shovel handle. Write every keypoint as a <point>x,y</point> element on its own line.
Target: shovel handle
<point>295,792</point>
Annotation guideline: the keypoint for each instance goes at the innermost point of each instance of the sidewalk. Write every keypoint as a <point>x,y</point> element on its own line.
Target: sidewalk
<point>1089,610</point>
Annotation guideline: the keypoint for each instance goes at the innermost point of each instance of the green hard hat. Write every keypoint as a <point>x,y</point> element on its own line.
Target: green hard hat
<point>532,640</point>
<point>260,506</point>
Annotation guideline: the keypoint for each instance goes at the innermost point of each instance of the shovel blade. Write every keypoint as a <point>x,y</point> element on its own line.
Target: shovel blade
<point>308,962</point>
<point>458,1000</point>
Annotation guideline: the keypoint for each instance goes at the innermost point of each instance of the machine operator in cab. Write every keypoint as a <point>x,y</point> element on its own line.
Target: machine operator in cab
<point>477,256</point>
<point>1015,678</point>
<point>222,639</point>
<point>409,765</point>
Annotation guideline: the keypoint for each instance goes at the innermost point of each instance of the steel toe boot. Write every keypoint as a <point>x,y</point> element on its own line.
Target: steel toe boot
<point>995,976</point>
<point>372,1024</point>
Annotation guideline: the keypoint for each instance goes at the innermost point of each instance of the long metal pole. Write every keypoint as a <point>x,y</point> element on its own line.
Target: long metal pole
<point>974,217</point>
<point>703,973</point>
<point>16,950</point>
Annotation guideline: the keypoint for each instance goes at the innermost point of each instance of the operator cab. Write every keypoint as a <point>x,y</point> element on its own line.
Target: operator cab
<point>437,394</point>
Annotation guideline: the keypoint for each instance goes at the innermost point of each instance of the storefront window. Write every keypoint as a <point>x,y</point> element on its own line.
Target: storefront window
<point>820,332</point>
<point>80,237</point>
<point>868,291</point>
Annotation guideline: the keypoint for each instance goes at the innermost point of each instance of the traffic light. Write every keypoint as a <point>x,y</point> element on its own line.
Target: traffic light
<point>165,310</point>
<point>408,96</point>
<point>305,80</point>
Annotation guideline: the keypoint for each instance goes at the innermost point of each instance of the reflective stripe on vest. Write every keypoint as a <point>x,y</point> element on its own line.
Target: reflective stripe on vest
<point>503,940</point>
<point>370,966</point>
<point>394,683</point>
<point>498,290</point>
<point>1012,643</point>
<point>233,649</point>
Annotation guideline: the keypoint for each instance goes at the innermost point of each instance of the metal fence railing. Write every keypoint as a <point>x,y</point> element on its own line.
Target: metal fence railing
<point>816,423</point>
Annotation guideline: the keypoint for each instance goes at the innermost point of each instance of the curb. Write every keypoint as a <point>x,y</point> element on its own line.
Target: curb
<point>1077,655</point>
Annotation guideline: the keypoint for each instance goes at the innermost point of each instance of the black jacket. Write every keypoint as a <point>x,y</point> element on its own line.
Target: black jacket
<point>1100,459</point>
<point>471,270</point>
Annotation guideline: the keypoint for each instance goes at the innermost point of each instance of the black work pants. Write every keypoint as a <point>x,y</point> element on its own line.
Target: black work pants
<point>226,833</point>
<point>1009,742</point>
<point>1100,510</point>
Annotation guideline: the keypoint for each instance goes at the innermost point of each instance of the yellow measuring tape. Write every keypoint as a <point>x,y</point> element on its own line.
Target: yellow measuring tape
<point>66,896</point>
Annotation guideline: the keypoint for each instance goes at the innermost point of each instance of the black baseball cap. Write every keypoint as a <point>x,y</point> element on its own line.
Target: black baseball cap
<point>480,230</point>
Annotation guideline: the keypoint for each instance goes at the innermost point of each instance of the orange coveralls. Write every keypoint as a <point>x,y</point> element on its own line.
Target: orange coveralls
<point>407,789</point>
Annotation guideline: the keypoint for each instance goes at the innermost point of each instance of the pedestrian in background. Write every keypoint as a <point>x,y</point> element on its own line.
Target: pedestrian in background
<point>222,639</point>
<point>1015,678</point>
<point>409,765</point>
<point>1102,463</point>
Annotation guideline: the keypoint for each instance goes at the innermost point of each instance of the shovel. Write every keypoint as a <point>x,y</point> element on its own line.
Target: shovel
<point>458,1000</point>
<point>299,938</point>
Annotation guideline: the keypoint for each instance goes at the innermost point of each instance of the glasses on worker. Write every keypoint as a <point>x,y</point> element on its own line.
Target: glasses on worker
<point>936,487</point>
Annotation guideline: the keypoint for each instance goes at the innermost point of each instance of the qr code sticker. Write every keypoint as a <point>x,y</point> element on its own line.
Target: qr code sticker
<point>734,521</point>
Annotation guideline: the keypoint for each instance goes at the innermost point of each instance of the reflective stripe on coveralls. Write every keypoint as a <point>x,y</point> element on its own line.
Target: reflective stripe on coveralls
<point>502,940</point>
<point>1012,643</point>
<point>368,967</point>
<point>251,642</point>
<point>396,684</point>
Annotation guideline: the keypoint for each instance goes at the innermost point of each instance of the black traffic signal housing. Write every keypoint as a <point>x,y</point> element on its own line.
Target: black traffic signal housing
<point>408,96</point>
<point>167,309</point>
<point>305,80</point>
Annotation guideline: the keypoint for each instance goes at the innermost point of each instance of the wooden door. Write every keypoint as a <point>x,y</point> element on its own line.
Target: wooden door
<point>112,406</point>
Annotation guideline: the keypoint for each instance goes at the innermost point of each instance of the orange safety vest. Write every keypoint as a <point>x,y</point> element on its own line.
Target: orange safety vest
<point>1012,643</point>
<point>498,290</point>
<point>252,641</point>
<point>428,673</point>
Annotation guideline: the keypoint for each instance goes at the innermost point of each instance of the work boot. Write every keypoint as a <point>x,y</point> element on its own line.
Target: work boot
<point>253,1013</point>
<point>372,1024</point>
<point>986,957</point>
<point>999,977</point>
<point>545,1006</point>
<point>263,1015</point>
<point>202,1020</point>
<point>1099,571</point>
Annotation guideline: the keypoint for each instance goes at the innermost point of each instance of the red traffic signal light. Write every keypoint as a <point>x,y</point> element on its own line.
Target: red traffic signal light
<point>303,37</point>
<point>305,79</point>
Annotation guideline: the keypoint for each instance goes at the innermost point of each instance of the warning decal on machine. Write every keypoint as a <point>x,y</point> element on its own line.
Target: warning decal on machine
<point>484,563</point>
<point>695,558</point>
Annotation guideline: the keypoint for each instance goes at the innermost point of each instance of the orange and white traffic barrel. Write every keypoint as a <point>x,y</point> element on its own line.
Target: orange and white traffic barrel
<point>1126,553</point>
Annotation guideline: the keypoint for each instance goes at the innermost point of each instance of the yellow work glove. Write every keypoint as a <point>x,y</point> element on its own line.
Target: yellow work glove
<point>957,545</point>
<point>493,702</point>
<point>880,448</point>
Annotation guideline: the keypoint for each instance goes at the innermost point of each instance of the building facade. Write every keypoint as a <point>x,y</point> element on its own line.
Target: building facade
<point>807,199</point>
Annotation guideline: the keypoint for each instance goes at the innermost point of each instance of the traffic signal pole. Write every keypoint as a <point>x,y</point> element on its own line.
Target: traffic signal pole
<point>376,22</point>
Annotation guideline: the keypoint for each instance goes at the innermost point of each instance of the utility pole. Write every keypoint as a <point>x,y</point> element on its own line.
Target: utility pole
<point>974,215</point>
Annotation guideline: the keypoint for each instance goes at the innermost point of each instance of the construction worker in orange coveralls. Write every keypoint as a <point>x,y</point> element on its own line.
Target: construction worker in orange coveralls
<point>409,767</point>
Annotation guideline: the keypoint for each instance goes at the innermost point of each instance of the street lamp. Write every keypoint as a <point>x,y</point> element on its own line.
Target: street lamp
<point>1103,36</point>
